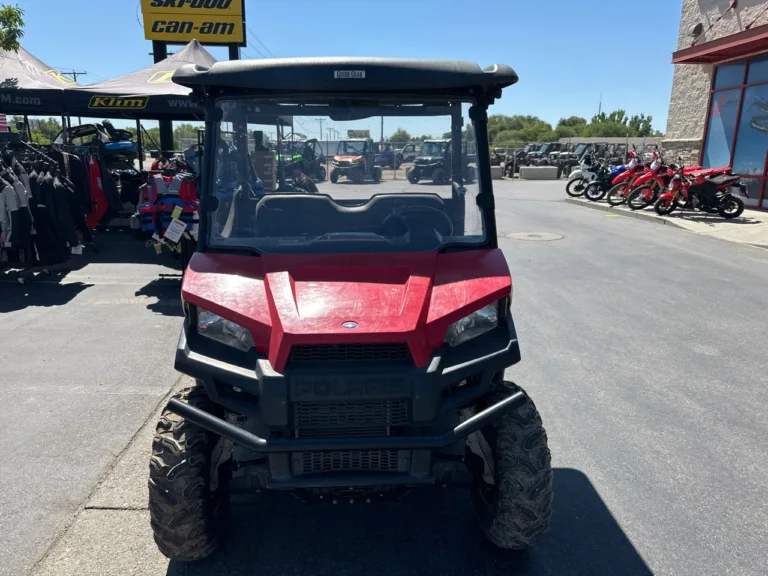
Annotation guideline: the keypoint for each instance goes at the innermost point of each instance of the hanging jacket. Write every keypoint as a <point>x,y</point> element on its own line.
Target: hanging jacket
<point>99,201</point>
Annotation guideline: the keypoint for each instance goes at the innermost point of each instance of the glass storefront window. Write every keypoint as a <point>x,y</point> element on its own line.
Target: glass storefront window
<point>752,138</point>
<point>758,70</point>
<point>722,124</point>
<point>731,74</point>
<point>754,188</point>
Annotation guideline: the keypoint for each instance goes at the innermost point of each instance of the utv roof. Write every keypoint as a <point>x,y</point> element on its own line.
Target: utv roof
<point>390,76</point>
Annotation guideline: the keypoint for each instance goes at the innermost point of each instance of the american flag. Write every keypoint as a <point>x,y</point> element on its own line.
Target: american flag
<point>3,123</point>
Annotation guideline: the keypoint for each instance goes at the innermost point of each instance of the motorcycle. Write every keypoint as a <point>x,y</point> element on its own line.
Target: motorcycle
<point>690,188</point>
<point>589,172</point>
<point>648,186</point>
<point>625,182</point>
<point>599,187</point>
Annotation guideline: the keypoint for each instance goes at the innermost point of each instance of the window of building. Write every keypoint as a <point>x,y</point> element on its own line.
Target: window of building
<point>737,126</point>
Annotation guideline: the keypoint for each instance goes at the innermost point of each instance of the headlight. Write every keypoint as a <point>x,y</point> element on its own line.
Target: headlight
<point>221,330</point>
<point>474,325</point>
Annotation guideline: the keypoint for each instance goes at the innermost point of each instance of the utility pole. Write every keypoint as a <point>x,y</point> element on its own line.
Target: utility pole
<point>74,75</point>
<point>382,128</point>
<point>321,127</point>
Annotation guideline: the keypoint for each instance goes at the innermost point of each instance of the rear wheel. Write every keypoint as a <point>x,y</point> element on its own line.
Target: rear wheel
<point>438,176</point>
<point>617,194</point>
<point>512,489</point>
<point>184,508</point>
<point>731,207</point>
<point>576,187</point>
<point>321,173</point>
<point>376,174</point>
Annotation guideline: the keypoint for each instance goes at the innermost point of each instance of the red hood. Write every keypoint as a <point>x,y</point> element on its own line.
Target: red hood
<point>300,299</point>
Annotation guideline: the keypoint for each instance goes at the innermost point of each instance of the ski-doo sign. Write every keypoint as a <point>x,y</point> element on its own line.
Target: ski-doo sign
<point>208,21</point>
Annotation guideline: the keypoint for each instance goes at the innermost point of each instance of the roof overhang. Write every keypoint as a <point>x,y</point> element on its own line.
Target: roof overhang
<point>733,46</point>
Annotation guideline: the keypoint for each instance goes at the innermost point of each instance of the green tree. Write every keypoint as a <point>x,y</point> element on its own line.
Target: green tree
<point>186,132</point>
<point>11,27</point>
<point>399,135</point>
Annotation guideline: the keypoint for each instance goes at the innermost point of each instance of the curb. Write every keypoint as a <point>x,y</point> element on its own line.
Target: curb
<point>625,212</point>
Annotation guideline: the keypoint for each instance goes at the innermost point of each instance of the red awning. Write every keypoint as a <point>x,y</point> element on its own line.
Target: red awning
<point>741,44</point>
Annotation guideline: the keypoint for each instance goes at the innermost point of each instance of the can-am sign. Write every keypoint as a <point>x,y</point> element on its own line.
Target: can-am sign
<point>208,21</point>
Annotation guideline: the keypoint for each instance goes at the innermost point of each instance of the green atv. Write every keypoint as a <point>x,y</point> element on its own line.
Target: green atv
<point>306,155</point>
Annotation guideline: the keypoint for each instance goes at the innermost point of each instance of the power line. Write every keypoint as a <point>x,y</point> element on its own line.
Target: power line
<point>260,42</point>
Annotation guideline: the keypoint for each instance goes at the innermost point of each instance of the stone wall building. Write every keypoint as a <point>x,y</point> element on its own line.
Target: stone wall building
<point>718,112</point>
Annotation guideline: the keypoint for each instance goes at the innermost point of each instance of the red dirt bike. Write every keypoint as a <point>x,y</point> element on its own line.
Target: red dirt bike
<point>685,191</point>
<point>625,182</point>
<point>649,186</point>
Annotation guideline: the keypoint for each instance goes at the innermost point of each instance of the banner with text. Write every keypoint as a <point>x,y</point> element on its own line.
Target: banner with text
<point>208,21</point>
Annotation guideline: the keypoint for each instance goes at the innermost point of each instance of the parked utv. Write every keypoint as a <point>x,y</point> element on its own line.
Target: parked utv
<point>519,157</point>
<point>117,146</point>
<point>387,156</point>
<point>346,349</point>
<point>355,160</point>
<point>409,152</point>
<point>306,155</point>
<point>435,162</point>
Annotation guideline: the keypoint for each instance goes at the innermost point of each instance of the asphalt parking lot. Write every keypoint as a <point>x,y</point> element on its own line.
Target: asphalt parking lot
<point>643,347</point>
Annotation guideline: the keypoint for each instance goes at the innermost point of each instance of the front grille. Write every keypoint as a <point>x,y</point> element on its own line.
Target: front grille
<point>314,415</point>
<point>349,461</point>
<point>350,352</point>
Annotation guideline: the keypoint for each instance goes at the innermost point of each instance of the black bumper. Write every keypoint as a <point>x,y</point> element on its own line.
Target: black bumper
<point>247,384</point>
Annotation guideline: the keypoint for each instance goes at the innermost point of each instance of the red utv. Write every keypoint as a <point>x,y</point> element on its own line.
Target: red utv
<point>347,347</point>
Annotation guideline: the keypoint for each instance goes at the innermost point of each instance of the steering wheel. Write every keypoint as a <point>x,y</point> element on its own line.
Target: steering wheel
<point>400,215</point>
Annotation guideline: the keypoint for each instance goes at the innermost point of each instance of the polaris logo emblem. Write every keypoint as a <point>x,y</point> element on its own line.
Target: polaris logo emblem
<point>118,102</point>
<point>349,325</point>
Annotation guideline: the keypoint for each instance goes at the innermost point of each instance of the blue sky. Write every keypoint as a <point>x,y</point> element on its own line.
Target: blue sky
<point>566,52</point>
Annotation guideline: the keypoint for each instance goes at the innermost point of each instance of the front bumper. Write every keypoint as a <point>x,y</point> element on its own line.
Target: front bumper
<point>432,398</point>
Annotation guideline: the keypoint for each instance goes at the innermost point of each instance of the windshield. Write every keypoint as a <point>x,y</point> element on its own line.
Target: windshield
<point>432,148</point>
<point>350,148</point>
<point>580,149</point>
<point>544,148</point>
<point>529,148</point>
<point>339,206</point>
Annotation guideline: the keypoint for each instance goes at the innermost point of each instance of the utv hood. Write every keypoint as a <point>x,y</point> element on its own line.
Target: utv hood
<point>347,158</point>
<point>286,300</point>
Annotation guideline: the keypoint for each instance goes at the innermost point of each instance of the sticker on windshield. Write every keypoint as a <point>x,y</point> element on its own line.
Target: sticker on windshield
<point>349,74</point>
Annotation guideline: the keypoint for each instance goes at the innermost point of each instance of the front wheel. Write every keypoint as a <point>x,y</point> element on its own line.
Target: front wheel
<point>637,198</point>
<point>334,176</point>
<point>184,506</point>
<point>617,195</point>
<point>321,174</point>
<point>576,187</point>
<point>731,207</point>
<point>413,176</point>
<point>665,206</point>
<point>594,191</point>
<point>512,481</point>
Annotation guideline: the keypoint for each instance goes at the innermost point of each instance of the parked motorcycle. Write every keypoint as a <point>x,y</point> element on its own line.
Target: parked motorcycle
<point>625,182</point>
<point>648,186</point>
<point>588,172</point>
<point>599,187</point>
<point>706,190</point>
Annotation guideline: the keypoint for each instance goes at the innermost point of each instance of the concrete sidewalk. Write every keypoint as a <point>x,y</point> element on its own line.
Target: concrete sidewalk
<point>749,228</point>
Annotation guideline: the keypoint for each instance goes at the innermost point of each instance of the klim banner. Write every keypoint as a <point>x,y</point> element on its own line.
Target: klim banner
<point>208,21</point>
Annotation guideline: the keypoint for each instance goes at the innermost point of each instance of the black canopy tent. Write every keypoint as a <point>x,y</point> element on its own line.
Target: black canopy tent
<point>146,94</point>
<point>31,87</point>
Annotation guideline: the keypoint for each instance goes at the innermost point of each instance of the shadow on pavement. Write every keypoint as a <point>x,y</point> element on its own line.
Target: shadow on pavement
<point>17,297</point>
<point>429,533</point>
<point>166,290</point>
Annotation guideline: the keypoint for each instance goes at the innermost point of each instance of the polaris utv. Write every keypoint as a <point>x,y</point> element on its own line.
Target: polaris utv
<point>117,146</point>
<point>306,155</point>
<point>435,162</point>
<point>355,160</point>
<point>353,347</point>
<point>519,157</point>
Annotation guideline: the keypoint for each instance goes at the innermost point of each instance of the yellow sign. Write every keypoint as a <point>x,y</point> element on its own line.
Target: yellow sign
<point>208,21</point>
<point>118,102</point>
<point>59,77</point>
<point>205,29</point>
<point>190,7</point>
<point>162,77</point>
